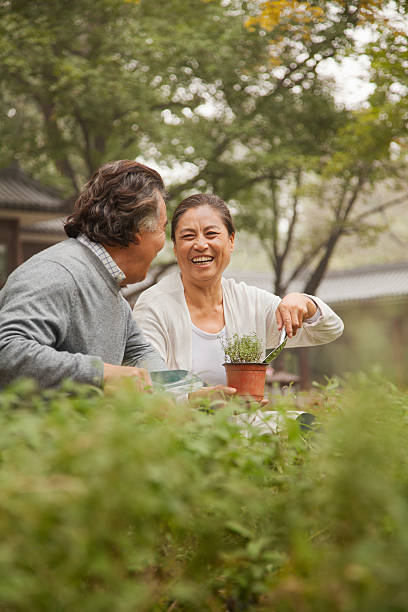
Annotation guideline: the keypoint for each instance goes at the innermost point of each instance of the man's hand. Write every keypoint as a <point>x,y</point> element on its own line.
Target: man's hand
<point>113,373</point>
<point>293,309</point>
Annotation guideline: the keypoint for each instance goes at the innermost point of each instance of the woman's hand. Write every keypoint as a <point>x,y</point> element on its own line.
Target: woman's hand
<point>293,309</point>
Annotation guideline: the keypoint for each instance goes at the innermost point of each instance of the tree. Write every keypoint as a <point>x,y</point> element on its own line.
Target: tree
<point>230,87</point>
<point>314,161</point>
<point>78,80</point>
<point>305,207</point>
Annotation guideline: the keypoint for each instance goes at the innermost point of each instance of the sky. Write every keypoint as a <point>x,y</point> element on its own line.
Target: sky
<point>351,74</point>
<point>352,85</point>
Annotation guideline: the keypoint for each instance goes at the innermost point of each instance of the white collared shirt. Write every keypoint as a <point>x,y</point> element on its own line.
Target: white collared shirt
<point>103,255</point>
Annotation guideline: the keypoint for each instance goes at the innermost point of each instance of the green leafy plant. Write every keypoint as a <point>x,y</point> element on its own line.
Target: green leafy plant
<point>133,502</point>
<point>242,349</point>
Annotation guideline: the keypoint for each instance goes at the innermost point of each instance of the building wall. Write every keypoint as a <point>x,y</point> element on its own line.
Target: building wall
<point>9,247</point>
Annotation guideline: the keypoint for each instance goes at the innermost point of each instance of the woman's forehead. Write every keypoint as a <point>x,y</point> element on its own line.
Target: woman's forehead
<point>200,215</point>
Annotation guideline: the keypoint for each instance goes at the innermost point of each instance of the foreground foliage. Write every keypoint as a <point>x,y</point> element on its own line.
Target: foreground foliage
<point>128,502</point>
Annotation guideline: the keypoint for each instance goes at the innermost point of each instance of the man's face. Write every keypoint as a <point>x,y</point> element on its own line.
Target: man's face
<point>140,255</point>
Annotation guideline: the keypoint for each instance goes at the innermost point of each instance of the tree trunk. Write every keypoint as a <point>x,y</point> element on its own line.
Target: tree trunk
<point>321,268</point>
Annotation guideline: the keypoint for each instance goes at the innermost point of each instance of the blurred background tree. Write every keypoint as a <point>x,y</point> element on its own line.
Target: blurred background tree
<point>226,93</point>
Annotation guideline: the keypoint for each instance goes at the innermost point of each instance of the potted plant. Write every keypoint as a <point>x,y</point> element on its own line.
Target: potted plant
<point>245,372</point>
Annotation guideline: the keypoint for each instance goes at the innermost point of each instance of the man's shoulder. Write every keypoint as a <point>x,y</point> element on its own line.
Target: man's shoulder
<point>61,253</point>
<point>71,255</point>
<point>54,266</point>
<point>38,278</point>
<point>61,250</point>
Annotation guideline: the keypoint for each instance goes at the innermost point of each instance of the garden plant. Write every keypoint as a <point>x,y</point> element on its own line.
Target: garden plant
<point>133,502</point>
<point>243,349</point>
<point>244,370</point>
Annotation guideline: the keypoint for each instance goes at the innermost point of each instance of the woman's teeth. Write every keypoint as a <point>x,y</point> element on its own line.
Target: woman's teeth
<point>202,260</point>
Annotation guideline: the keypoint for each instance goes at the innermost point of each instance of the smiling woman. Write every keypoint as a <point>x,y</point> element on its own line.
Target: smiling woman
<point>203,243</point>
<point>187,315</point>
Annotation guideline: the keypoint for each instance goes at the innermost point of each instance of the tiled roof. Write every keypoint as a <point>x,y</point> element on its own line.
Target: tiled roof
<point>363,283</point>
<point>366,283</point>
<point>263,280</point>
<point>18,191</point>
<point>50,226</point>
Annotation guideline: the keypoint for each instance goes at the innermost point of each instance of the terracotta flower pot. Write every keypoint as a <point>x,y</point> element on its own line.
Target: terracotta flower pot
<point>247,378</point>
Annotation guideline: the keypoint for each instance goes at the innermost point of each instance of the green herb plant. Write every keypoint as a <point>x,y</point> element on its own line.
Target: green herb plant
<point>243,349</point>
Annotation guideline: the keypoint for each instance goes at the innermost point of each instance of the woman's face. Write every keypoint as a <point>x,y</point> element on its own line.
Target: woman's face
<point>202,245</point>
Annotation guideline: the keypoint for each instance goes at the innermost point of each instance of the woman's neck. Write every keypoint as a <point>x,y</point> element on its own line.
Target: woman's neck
<point>203,297</point>
<point>205,306</point>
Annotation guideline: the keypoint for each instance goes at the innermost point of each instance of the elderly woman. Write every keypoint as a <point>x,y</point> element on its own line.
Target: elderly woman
<point>187,313</point>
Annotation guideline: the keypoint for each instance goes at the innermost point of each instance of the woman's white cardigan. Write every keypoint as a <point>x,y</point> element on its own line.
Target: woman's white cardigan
<point>161,312</point>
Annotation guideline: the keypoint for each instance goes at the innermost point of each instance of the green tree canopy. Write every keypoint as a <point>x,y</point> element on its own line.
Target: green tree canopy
<point>230,87</point>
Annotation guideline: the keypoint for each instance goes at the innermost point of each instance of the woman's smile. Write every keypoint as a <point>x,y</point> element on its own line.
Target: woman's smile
<point>202,261</point>
<point>202,245</point>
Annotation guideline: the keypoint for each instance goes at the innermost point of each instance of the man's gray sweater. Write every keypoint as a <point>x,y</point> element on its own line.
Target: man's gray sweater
<point>62,315</point>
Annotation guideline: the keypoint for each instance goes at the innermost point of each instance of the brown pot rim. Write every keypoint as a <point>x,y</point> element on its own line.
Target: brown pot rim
<point>244,363</point>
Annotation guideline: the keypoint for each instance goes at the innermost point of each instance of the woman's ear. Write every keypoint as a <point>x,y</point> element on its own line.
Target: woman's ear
<point>232,240</point>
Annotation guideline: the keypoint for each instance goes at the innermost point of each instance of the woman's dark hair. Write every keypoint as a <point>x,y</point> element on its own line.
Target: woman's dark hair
<point>203,199</point>
<point>119,200</point>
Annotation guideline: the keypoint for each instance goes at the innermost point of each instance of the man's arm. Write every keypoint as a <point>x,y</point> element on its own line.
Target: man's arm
<point>139,352</point>
<point>35,314</point>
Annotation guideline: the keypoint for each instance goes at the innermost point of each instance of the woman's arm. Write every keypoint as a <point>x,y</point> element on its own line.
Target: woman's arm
<point>297,311</point>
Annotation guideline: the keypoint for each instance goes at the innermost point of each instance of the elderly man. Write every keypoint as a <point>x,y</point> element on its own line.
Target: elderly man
<point>62,314</point>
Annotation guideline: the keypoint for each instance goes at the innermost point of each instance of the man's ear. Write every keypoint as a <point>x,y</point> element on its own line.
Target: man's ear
<point>137,238</point>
